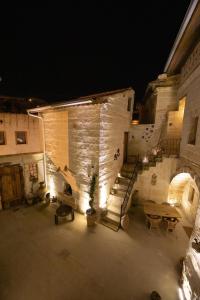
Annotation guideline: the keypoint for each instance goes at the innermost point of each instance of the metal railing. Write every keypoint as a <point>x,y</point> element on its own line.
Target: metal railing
<point>170,146</point>
<point>129,189</point>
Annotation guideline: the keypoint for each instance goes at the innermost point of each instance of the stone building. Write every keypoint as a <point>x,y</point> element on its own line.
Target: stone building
<point>171,123</point>
<point>84,136</point>
<point>96,135</point>
<point>21,150</point>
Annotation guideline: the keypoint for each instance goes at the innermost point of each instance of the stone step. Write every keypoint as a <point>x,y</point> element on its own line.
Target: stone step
<point>126,174</point>
<point>132,158</point>
<point>114,210</point>
<point>128,167</point>
<point>118,192</point>
<point>110,223</point>
<point>115,200</point>
<point>122,180</point>
<point>112,217</point>
<point>120,187</point>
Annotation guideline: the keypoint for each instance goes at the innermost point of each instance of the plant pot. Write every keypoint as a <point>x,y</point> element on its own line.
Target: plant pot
<point>91,219</point>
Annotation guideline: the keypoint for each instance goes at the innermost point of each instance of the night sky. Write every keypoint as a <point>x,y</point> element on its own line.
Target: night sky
<point>58,53</point>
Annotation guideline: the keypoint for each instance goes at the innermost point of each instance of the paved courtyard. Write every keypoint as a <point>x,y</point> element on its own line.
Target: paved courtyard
<point>39,260</point>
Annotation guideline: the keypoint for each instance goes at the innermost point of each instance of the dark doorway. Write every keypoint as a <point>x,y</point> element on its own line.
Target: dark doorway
<point>125,146</point>
<point>11,185</point>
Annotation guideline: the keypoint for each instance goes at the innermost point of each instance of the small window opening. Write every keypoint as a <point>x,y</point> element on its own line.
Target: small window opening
<point>193,131</point>
<point>2,138</point>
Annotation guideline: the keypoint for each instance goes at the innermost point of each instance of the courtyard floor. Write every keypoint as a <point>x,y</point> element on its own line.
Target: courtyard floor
<point>39,260</point>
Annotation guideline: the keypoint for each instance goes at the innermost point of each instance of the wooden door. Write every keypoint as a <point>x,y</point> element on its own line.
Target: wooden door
<point>11,185</point>
<point>125,146</point>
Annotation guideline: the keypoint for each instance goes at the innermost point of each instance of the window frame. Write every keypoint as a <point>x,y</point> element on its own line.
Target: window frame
<point>25,134</point>
<point>192,137</point>
<point>4,138</point>
<point>129,104</point>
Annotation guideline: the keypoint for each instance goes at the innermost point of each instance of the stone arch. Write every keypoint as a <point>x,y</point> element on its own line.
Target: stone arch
<point>187,169</point>
<point>184,191</point>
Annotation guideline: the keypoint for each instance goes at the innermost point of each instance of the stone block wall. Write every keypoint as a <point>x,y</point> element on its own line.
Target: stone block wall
<point>190,157</point>
<point>57,149</point>
<point>10,123</point>
<point>190,88</point>
<point>84,124</point>
<point>115,120</point>
<point>157,189</point>
<point>141,139</point>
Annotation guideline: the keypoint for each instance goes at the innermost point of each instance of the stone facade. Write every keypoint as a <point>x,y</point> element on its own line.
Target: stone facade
<point>190,159</point>
<point>85,139</point>
<point>23,154</point>
<point>158,191</point>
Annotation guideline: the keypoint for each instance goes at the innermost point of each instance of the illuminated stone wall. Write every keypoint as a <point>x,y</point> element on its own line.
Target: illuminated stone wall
<point>20,122</point>
<point>157,191</point>
<point>85,138</point>
<point>115,119</point>
<point>190,88</point>
<point>190,157</point>
<point>84,122</point>
<point>141,139</point>
<point>146,136</point>
<point>57,149</point>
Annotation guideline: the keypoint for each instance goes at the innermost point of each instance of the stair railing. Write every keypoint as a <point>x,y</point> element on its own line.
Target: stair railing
<point>129,189</point>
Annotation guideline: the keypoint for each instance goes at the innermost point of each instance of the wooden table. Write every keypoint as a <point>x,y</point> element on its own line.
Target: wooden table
<point>161,210</point>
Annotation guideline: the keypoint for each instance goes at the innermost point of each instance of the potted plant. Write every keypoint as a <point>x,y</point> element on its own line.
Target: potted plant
<point>91,212</point>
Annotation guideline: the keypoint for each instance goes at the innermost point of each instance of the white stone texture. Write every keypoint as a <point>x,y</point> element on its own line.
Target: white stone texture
<point>114,121</point>
<point>159,191</point>
<point>190,156</point>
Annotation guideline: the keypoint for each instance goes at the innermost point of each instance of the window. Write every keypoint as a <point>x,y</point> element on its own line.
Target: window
<point>2,138</point>
<point>193,131</point>
<point>129,104</point>
<point>21,137</point>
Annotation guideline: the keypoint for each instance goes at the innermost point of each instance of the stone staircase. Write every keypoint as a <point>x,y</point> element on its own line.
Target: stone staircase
<point>119,191</point>
<point>122,189</point>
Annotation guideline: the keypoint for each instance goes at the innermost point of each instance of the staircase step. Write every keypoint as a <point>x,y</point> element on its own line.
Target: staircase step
<point>127,174</point>
<point>106,222</point>
<point>122,180</point>
<point>115,200</point>
<point>119,193</point>
<point>132,158</point>
<point>120,187</point>
<point>112,217</point>
<point>152,164</point>
<point>116,210</point>
<point>128,168</point>
<point>158,159</point>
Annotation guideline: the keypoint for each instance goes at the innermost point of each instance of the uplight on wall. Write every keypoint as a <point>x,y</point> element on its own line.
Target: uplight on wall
<point>52,187</point>
<point>103,197</point>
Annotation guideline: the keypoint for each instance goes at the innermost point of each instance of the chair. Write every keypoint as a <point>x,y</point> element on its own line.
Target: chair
<point>171,223</point>
<point>153,221</point>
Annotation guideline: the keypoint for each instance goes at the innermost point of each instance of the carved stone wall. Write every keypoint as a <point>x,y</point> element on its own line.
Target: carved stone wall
<point>191,64</point>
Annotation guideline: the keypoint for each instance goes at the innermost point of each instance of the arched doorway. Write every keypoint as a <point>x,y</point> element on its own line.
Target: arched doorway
<point>184,193</point>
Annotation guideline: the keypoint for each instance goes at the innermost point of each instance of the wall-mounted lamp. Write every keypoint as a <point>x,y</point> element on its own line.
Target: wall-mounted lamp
<point>145,160</point>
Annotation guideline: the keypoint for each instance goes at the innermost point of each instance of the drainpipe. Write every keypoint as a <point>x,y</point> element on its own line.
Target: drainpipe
<point>44,147</point>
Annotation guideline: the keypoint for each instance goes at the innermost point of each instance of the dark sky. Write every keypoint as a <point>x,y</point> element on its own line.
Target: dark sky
<point>58,52</point>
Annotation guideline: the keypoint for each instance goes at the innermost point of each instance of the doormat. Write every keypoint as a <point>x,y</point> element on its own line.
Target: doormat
<point>188,230</point>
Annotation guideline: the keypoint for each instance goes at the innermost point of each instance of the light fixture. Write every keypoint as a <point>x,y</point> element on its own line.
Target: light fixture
<point>145,160</point>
